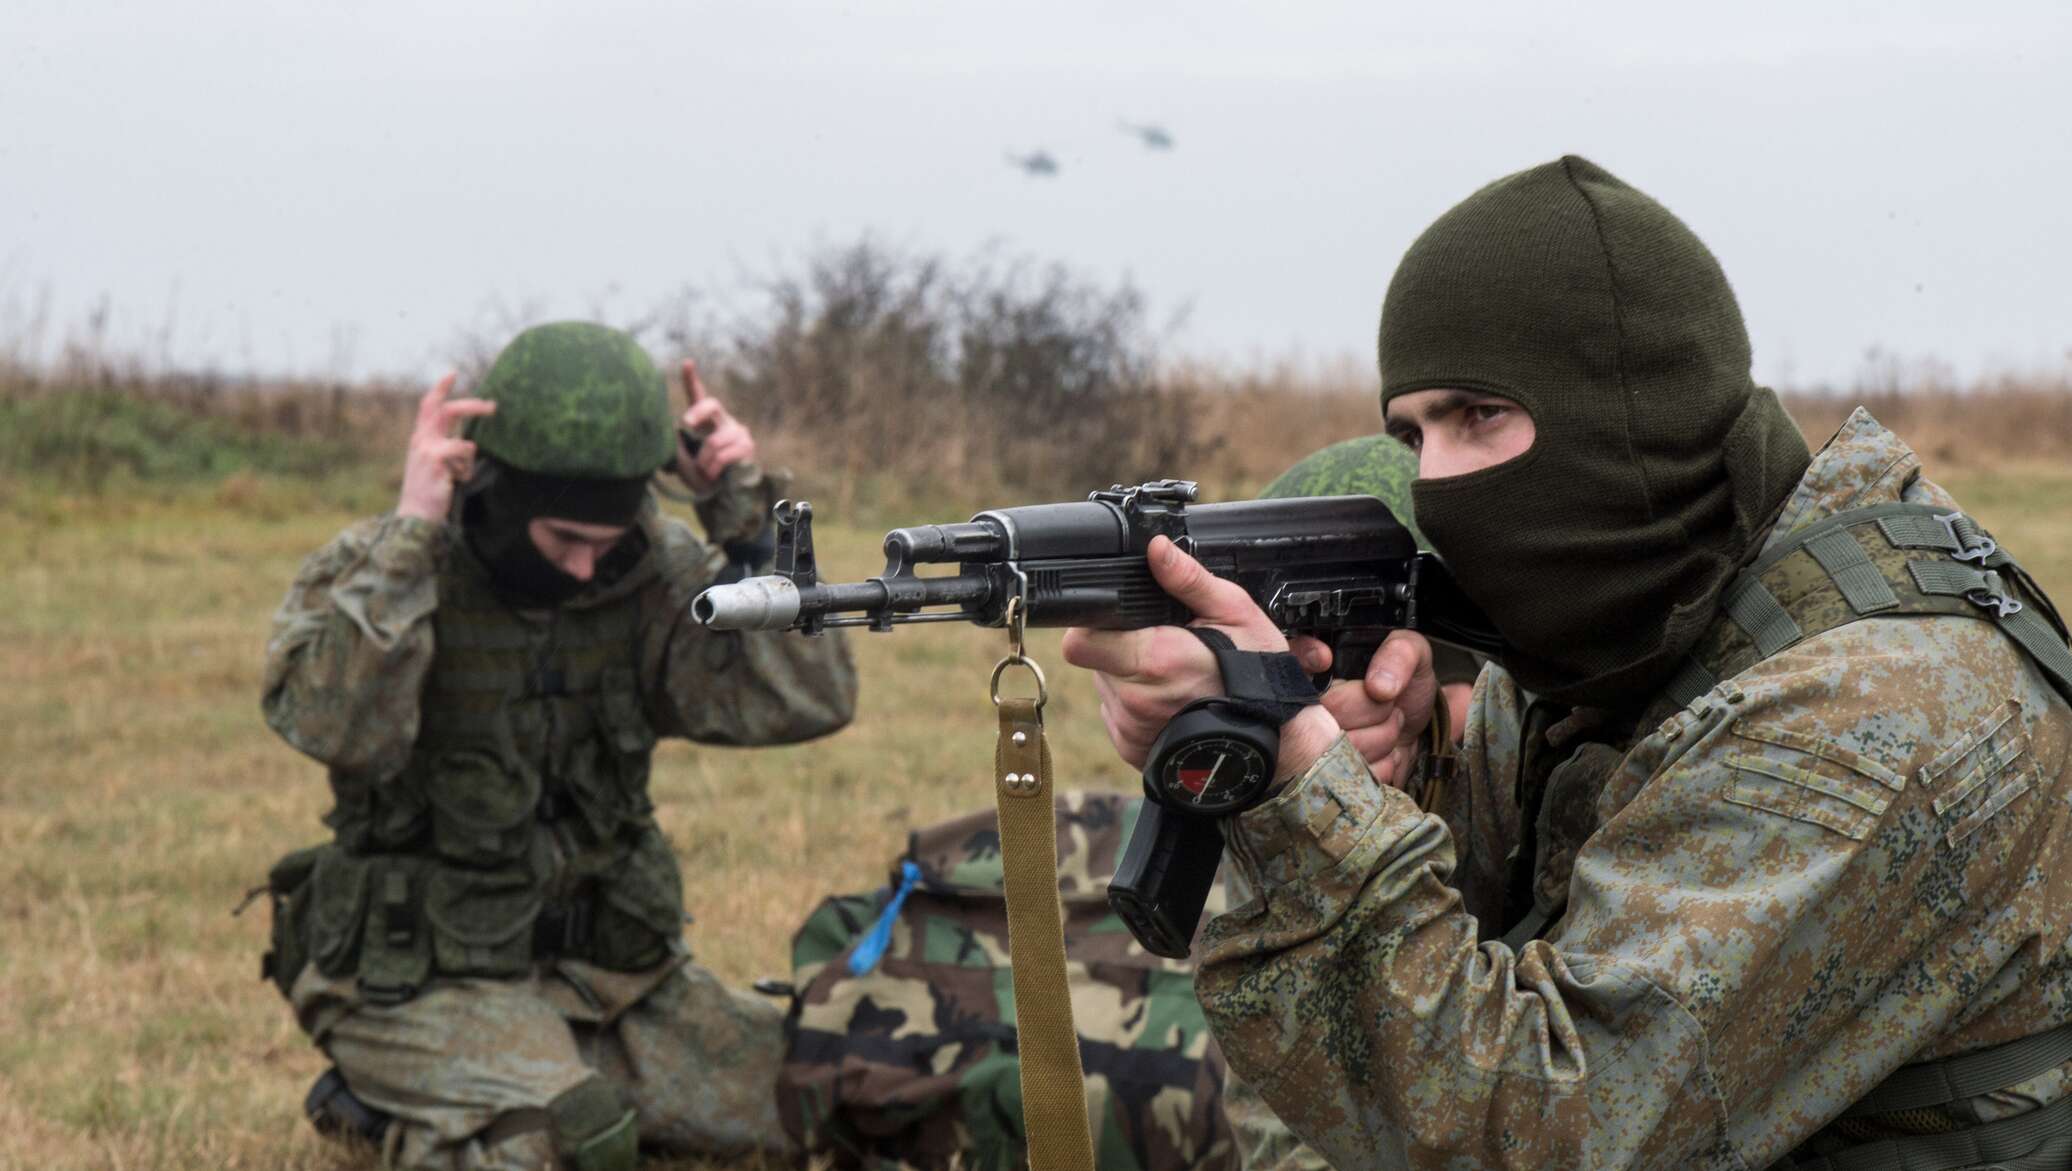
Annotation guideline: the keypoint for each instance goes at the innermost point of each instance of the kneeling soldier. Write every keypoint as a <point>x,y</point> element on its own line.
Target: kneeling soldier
<point>490,950</point>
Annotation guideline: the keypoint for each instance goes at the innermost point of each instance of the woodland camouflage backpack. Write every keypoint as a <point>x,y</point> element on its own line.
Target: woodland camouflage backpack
<point>902,1037</point>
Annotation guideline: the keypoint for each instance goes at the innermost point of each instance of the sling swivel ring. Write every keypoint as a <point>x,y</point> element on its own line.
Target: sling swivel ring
<point>1016,658</point>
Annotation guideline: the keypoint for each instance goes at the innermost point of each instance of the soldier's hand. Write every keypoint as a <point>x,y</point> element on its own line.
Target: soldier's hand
<point>1385,713</point>
<point>437,459</point>
<point>723,440</point>
<point>1145,676</point>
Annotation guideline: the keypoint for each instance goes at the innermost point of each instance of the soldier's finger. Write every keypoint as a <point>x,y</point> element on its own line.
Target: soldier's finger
<point>1388,771</point>
<point>455,410</point>
<point>1401,762</point>
<point>1112,652</point>
<point>1163,656</point>
<point>1350,704</point>
<point>703,416</point>
<point>428,405</point>
<point>1402,655</point>
<point>694,391</point>
<point>1388,727</point>
<point>1373,746</point>
<point>454,453</point>
<point>1212,599</point>
<point>1122,730</point>
<point>731,443</point>
<point>1315,653</point>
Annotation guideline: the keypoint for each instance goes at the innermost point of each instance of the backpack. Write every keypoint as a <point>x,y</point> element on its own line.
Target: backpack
<point>901,1043</point>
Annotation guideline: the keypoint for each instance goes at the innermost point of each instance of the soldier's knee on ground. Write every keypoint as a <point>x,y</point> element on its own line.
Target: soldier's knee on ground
<point>593,1129</point>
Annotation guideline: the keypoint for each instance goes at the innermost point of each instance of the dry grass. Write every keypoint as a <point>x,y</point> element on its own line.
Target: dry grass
<point>142,796</point>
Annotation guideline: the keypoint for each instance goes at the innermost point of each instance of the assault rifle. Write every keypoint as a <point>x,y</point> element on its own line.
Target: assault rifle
<point>1340,569</point>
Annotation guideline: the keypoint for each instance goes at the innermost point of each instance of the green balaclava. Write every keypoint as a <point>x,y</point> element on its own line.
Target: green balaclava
<point>1601,552</point>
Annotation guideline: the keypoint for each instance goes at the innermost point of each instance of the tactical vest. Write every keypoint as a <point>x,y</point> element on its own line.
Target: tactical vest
<point>1895,560</point>
<point>520,830</point>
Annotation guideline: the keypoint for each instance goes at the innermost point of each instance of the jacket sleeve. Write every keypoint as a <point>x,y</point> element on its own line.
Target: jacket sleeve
<point>1799,883</point>
<point>351,643</point>
<point>733,687</point>
<point>736,514</point>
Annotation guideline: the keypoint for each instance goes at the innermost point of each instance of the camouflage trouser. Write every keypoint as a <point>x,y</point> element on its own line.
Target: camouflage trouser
<point>697,1063</point>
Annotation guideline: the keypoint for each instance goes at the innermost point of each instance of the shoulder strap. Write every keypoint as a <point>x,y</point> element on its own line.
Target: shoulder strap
<point>1923,1084</point>
<point>1867,563</point>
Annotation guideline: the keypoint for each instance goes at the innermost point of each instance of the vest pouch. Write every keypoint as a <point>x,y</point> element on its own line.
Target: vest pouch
<point>637,916</point>
<point>334,911</point>
<point>288,888</point>
<point>482,812</point>
<point>395,944</point>
<point>606,769</point>
<point>482,920</point>
<point>630,737</point>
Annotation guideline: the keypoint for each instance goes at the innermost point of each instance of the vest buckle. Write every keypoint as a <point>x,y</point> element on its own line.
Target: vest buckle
<point>1968,543</point>
<point>1985,599</point>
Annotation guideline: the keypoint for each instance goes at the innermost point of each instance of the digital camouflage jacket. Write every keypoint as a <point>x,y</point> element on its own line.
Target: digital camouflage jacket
<point>490,765</point>
<point>1849,856</point>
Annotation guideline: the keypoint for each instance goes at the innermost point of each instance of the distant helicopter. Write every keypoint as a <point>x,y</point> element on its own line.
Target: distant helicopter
<point>1037,163</point>
<point>1154,137</point>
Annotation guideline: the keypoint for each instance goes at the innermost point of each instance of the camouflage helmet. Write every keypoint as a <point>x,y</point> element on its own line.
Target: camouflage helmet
<point>579,400</point>
<point>1377,466</point>
<point>1372,465</point>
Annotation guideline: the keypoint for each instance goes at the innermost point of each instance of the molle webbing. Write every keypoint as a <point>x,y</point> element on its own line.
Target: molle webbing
<point>488,657</point>
<point>1867,563</point>
<point>2040,1140</point>
<point>1967,1075</point>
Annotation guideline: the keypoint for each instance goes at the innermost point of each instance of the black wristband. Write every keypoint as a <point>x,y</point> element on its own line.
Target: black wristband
<point>1269,684</point>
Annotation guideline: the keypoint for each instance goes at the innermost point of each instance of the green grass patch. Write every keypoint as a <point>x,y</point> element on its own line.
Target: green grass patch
<point>89,438</point>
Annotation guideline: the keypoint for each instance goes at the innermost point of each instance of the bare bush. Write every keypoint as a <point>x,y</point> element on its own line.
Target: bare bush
<point>1013,378</point>
<point>894,381</point>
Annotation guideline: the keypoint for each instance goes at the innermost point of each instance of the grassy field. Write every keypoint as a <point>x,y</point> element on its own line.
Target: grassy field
<point>141,795</point>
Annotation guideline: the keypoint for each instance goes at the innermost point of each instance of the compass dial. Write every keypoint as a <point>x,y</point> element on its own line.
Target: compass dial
<point>1213,774</point>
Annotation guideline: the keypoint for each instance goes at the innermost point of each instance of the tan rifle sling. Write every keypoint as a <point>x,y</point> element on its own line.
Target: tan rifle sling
<point>1053,1083</point>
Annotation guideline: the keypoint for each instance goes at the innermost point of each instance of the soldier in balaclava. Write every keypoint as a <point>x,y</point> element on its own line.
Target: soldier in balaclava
<point>490,948</point>
<point>1763,857</point>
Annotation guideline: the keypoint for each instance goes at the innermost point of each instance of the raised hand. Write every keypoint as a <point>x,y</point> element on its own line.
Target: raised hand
<point>723,439</point>
<point>438,459</point>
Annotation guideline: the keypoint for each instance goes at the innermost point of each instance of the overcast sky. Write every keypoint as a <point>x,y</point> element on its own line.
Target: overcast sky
<point>341,187</point>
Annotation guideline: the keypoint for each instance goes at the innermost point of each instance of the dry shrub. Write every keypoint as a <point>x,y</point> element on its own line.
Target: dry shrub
<point>966,382</point>
<point>894,382</point>
<point>1998,422</point>
<point>1269,418</point>
<point>1288,411</point>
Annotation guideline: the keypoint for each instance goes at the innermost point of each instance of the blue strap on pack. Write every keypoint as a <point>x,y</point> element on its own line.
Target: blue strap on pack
<point>872,949</point>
